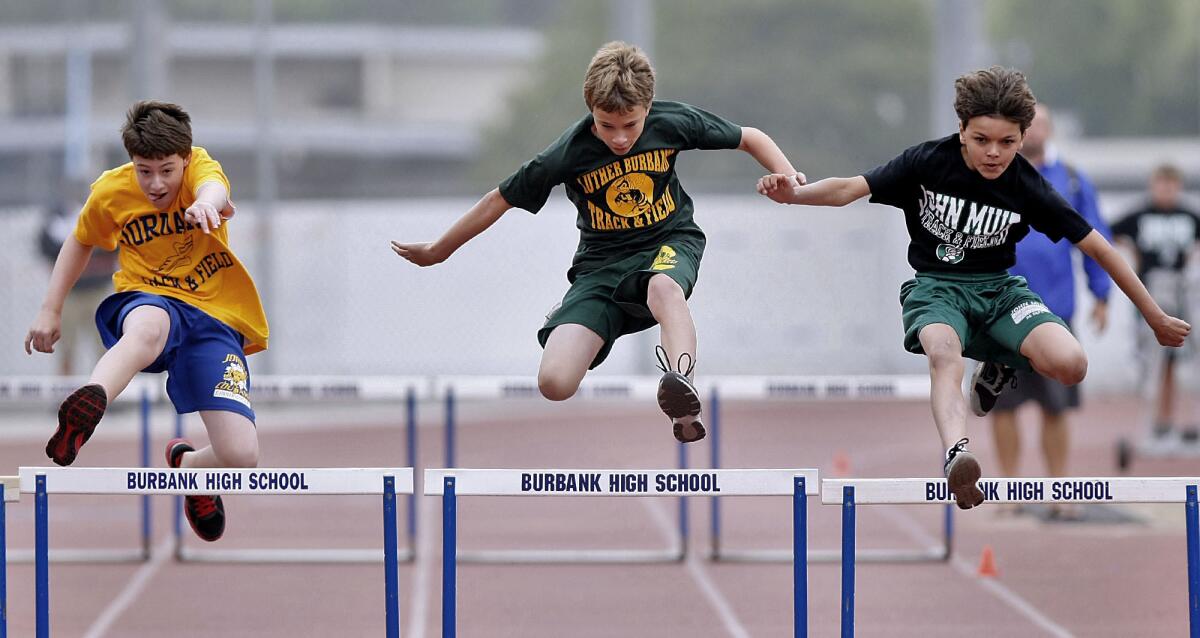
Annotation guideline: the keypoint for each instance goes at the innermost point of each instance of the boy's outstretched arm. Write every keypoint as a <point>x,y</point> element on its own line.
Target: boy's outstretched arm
<point>211,206</point>
<point>482,215</point>
<point>762,148</point>
<point>831,191</point>
<point>73,257</point>
<point>1169,330</point>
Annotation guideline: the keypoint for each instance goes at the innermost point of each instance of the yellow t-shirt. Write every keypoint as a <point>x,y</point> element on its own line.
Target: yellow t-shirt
<point>162,254</point>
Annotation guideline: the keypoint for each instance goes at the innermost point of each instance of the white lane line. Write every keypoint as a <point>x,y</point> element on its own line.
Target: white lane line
<point>132,590</point>
<point>718,601</point>
<point>1008,596</point>
<point>424,559</point>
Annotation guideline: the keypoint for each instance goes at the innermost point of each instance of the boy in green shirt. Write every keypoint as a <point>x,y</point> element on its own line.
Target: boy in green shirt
<point>639,249</point>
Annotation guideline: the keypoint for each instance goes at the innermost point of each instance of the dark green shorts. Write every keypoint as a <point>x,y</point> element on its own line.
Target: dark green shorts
<point>611,300</point>
<point>992,313</point>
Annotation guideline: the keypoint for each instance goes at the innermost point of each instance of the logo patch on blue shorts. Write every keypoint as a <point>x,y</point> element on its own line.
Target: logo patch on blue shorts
<point>235,383</point>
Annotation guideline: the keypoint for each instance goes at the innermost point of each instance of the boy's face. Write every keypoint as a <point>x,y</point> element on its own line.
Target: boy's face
<point>160,179</point>
<point>989,144</point>
<point>619,131</point>
<point>1165,191</point>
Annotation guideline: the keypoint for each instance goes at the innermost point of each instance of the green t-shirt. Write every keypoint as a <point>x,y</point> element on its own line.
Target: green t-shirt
<point>626,203</point>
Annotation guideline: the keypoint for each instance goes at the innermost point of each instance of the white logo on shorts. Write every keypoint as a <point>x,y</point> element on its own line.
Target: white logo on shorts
<point>1027,310</point>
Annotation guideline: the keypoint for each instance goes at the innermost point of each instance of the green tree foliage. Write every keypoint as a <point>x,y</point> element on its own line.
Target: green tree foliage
<point>1125,68</point>
<point>841,86</point>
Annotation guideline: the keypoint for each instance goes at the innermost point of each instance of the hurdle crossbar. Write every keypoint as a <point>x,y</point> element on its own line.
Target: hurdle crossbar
<point>451,483</point>
<point>870,387</point>
<point>318,388</point>
<point>850,492</point>
<point>387,482</point>
<point>455,388</point>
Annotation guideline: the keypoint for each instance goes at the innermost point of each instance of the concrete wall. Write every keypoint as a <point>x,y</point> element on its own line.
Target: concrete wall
<point>783,290</point>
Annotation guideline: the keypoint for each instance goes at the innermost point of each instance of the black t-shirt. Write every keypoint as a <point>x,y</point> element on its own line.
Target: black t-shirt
<point>626,203</point>
<point>1163,237</point>
<point>960,221</point>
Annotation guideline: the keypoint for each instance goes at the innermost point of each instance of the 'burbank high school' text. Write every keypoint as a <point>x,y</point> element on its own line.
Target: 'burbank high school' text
<point>618,482</point>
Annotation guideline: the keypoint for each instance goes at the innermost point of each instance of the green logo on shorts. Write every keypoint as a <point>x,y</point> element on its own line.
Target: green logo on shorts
<point>950,253</point>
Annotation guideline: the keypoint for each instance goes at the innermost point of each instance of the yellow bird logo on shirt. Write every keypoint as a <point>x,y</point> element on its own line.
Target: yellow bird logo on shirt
<point>180,258</point>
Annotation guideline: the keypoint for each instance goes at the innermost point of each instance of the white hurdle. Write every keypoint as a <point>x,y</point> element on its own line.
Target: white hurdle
<point>308,389</point>
<point>813,388</point>
<point>850,492</point>
<point>451,483</point>
<point>453,389</point>
<point>388,482</point>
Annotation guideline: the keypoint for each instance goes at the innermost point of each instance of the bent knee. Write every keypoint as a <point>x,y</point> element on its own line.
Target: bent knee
<point>556,388</point>
<point>241,456</point>
<point>662,289</point>
<point>147,334</point>
<point>1069,368</point>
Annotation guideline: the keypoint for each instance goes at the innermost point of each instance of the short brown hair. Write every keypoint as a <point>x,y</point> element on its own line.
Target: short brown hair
<point>618,79</point>
<point>994,91</point>
<point>155,130</point>
<point>1167,172</point>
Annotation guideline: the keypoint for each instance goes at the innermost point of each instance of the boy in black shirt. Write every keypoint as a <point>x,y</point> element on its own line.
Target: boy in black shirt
<point>1163,235</point>
<point>639,250</point>
<point>968,199</point>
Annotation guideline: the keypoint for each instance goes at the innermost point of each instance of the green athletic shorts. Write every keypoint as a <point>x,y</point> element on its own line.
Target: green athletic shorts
<point>611,299</point>
<point>992,313</point>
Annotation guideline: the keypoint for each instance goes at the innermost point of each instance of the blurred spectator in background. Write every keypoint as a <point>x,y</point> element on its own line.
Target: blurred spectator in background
<point>1162,234</point>
<point>79,310</point>
<point>1050,270</point>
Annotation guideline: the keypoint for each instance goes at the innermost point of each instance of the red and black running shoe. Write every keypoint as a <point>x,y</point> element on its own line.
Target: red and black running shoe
<point>206,514</point>
<point>77,419</point>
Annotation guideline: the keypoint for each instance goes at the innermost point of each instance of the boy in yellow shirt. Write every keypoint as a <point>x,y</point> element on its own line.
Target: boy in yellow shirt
<point>184,304</point>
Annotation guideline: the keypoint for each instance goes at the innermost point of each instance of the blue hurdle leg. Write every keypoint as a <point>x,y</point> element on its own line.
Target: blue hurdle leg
<point>683,507</point>
<point>177,519</point>
<point>449,558</point>
<point>42,559</point>
<point>847,561</point>
<point>3,569</point>
<point>390,577</point>
<point>714,438</point>
<point>800,557</point>
<point>1193,554</point>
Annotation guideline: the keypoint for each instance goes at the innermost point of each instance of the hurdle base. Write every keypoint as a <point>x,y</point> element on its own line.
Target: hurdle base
<point>928,555</point>
<point>294,556</point>
<point>81,556</point>
<point>572,556</point>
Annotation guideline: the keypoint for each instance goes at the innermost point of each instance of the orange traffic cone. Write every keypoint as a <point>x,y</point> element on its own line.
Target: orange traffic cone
<point>987,563</point>
<point>841,464</point>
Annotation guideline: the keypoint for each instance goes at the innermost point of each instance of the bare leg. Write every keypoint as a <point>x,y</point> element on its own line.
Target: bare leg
<point>1008,440</point>
<point>1166,394</point>
<point>1055,353</point>
<point>677,331</point>
<point>569,351</point>
<point>143,336</point>
<point>944,351</point>
<point>233,442</point>
<point>1056,442</point>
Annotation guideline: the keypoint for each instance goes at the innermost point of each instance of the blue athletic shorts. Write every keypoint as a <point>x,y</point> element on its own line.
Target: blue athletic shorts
<point>203,358</point>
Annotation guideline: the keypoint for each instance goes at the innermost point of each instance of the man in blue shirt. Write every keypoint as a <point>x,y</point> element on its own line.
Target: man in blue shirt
<point>1049,269</point>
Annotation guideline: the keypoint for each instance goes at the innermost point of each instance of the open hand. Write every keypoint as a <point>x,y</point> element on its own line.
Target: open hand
<point>44,333</point>
<point>421,254</point>
<point>1171,331</point>
<point>204,215</point>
